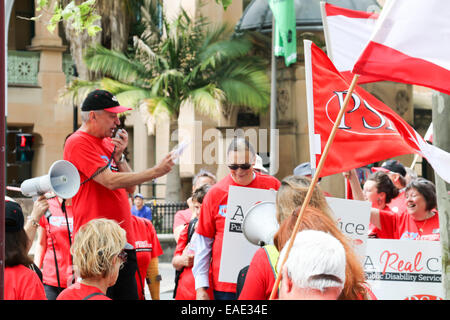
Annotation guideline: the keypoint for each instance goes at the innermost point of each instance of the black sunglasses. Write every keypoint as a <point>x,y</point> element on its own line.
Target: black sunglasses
<point>244,166</point>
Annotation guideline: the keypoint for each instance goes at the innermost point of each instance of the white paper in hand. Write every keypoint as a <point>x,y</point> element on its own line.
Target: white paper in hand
<point>178,150</point>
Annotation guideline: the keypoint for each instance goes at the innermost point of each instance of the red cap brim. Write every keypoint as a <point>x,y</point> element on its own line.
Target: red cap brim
<point>375,169</point>
<point>118,109</point>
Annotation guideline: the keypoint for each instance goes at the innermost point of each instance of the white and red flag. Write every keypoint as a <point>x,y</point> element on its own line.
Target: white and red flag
<point>369,131</point>
<point>410,44</point>
<point>347,33</point>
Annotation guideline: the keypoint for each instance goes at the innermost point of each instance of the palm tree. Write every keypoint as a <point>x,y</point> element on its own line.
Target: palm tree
<point>183,61</point>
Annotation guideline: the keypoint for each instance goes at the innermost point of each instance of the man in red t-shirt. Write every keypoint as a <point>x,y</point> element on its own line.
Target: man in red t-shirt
<point>106,177</point>
<point>210,230</point>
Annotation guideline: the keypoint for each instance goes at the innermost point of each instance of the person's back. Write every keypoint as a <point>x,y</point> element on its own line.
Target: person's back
<point>22,283</point>
<point>81,291</point>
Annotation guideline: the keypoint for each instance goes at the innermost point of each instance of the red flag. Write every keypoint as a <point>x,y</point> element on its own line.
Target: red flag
<point>369,130</point>
<point>410,44</point>
<point>346,35</point>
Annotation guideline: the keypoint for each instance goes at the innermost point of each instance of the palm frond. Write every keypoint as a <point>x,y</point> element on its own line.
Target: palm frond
<point>169,81</point>
<point>207,100</point>
<point>76,91</point>
<point>115,86</point>
<point>247,86</point>
<point>222,51</point>
<point>113,63</point>
<point>158,106</point>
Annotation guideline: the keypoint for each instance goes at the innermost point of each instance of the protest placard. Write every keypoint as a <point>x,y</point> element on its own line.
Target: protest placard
<point>404,269</point>
<point>352,217</point>
<point>237,251</point>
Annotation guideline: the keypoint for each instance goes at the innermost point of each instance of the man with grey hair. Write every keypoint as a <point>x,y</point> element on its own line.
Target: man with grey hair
<point>314,269</point>
<point>106,178</point>
<point>210,231</point>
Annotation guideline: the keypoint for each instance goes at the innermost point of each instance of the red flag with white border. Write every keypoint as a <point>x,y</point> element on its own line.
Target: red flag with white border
<point>347,32</point>
<point>368,132</point>
<point>410,44</point>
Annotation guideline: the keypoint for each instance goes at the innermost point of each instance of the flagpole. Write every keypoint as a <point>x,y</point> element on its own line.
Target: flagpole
<point>314,182</point>
<point>273,168</point>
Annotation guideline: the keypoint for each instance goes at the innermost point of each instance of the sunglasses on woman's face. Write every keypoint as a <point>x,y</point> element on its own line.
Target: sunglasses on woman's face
<point>244,166</point>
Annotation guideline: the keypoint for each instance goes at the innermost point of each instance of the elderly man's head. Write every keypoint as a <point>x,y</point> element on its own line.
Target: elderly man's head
<point>314,269</point>
<point>100,112</point>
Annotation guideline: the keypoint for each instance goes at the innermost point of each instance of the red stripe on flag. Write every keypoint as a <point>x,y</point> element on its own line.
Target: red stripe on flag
<point>338,11</point>
<point>348,75</point>
<point>393,65</point>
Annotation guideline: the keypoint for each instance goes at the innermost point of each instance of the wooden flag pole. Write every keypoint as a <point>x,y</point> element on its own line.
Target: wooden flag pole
<point>314,182</point>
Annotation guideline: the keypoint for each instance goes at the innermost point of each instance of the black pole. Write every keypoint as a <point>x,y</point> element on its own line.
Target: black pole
<point>75,117</point>
<point>2,147</point>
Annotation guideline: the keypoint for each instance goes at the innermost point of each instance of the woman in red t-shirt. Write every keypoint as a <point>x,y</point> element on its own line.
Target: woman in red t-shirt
<point>53,248</point>
<point>379,190</point>
<point>98,253</point>
<point>420,220</point>
<point>148,249</point>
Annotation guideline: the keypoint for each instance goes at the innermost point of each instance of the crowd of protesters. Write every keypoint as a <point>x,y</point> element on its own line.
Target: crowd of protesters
<point>96,247</point>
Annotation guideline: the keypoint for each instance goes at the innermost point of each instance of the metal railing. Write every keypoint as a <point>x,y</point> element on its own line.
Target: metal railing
<point>163,215</point>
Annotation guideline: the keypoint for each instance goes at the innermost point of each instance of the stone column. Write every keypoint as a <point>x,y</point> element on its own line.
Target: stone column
<point>53,122</point>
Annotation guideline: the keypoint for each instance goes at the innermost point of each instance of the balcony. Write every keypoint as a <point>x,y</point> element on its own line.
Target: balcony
<point>23,68</point>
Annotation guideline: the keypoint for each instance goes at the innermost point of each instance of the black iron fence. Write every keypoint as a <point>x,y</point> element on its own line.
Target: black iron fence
<point>163,215</point>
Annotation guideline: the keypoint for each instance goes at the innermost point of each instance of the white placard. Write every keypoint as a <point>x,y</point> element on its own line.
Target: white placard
<point>237,251</point>
<point>352,217</point>
<point>404,269</point>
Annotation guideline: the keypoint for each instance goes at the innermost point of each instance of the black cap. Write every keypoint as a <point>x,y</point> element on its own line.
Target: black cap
<point>102,100</point>
<point>392,166</point>
<point>14,220</point>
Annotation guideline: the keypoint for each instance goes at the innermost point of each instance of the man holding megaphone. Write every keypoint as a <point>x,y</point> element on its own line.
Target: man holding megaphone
<point>106,178</point>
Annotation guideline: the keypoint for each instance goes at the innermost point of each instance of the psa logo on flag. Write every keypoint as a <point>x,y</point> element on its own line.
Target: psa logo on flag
<point>361,118</point>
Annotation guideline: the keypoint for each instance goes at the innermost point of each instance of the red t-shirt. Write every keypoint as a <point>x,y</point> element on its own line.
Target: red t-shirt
<point>260,278</point>
<point>57,236</point>
<point>398,204</point>
<point>78,291</point>
<point>22,283</point>
<point>147,247</point>
<point>182,217</point>
<point>186,282</point>
<point>404,227</point>
<point>212,219</point>
<point>88,154</point>
<point>374,232</point>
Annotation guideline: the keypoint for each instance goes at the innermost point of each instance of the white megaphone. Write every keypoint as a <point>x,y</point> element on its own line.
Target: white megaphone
<point>260,223</point>
<point>62,178</point>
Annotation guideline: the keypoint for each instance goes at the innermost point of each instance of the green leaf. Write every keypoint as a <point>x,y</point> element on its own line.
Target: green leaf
<point>225,3</point>
<point>41,4</point>
<point>92,30</point>
<point>51,27</point>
